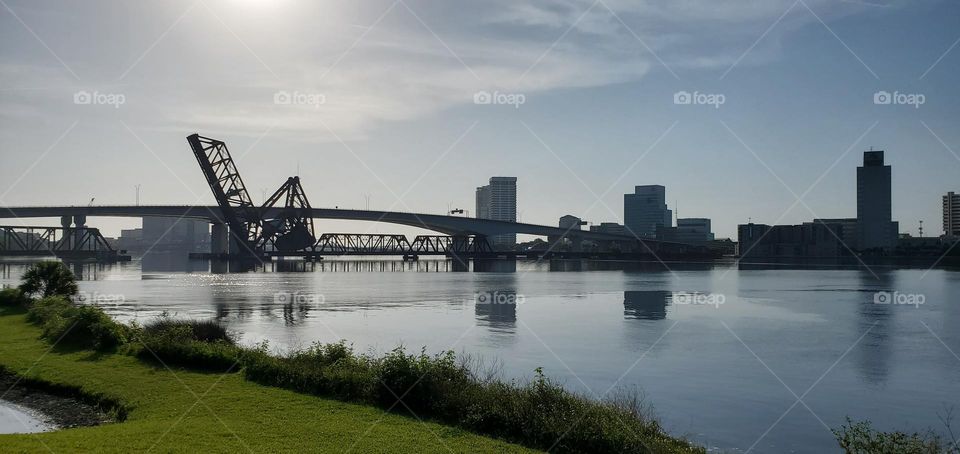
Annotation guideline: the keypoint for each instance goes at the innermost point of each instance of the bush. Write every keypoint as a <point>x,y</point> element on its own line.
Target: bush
<point>48,278</point>
<point>12,297</point>
<point>862,438</point>
<point>81,326</point>
<point>202,345</point>
<point>203,331</point>
<point>540,414</point>
<point>331,370</point>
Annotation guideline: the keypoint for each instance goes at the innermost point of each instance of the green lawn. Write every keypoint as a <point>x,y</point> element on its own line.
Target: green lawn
<point>231,414</point>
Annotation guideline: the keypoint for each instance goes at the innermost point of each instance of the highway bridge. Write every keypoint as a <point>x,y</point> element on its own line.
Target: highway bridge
<point>447,225</point>
<point>453,226</point>
<point>283,225</point>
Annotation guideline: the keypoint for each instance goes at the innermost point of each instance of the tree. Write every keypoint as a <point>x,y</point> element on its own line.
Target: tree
<point>48,279</point>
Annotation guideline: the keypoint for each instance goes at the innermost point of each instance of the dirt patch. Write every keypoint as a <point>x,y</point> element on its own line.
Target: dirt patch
<point>58,405</point>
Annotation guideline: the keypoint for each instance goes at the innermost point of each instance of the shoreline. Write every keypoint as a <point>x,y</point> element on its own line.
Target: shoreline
<point>52,408</point>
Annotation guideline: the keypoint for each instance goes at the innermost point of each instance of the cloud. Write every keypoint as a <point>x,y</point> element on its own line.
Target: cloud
<point>221,67</point>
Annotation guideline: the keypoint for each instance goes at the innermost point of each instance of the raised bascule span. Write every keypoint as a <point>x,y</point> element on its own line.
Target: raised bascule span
<point>283,225</point>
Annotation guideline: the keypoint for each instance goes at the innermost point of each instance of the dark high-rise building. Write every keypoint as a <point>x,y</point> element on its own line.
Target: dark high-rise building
<point>875,228</point>
<point>498,201</point>
<point>645,210</point>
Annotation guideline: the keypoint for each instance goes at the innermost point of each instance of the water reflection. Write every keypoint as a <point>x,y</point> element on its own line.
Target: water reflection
<point>873,353</point>
<point>172,261</point>
<point>645,304</point>
<point>496,299</point>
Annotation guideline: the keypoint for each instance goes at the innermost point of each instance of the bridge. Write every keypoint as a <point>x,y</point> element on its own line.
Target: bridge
<point>447,225</point>
<point>283,225</point>
<point>451,226</point>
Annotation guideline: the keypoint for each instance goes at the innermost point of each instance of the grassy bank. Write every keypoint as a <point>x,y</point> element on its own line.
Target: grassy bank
<point>163,412</point>
<point>399,389</point>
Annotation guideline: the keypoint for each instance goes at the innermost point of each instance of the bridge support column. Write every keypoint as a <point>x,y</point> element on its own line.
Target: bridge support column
<point>576,244</point>
<point>219,239</point>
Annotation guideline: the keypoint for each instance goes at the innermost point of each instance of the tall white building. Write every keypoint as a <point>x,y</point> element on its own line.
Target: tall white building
<point>951,215</point>
<point>498,201</point>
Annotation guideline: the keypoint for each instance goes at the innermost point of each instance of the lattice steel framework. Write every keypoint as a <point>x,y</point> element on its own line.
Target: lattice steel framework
<point>17,239</point>
<point>360,244</point>
<point>293,229</point>
<point>228,189</point>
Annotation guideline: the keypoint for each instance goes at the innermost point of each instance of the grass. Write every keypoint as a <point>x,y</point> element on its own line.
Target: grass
<point>539,414</point>
<point>187,411</point>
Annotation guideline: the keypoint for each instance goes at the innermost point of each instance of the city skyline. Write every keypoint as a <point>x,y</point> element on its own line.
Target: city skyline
<point>599,113</point>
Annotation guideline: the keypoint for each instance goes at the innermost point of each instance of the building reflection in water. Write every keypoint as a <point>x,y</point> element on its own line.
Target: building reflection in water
<point>171,261</point>
<point>498,310</point>
<point>496,296</point>
<point>645,304</point>
<point>872,354</point>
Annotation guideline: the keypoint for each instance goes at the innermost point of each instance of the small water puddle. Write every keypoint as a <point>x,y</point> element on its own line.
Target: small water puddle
<point>15,419</point>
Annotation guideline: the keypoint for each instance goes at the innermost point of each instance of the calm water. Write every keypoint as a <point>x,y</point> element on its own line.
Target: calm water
<point>727,370</point>
<point>17,420</point>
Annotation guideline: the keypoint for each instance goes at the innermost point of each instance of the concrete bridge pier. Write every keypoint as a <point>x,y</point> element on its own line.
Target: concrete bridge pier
<point>219,239</point>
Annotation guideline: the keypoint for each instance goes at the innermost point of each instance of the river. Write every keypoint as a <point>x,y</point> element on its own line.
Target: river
<point>759,359</point>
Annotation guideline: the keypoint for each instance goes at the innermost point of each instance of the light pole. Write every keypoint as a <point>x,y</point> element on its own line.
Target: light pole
<point>138,194</point>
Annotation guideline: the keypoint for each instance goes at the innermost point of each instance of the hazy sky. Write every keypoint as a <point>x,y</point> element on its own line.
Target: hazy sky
<point>378,98</point>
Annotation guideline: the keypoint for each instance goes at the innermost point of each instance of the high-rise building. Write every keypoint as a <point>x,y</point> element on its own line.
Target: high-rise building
<point>951,215</point>
<point>483,202</point>
<point>645,210</point>
<point>874,225</point>
<point>498,201</point>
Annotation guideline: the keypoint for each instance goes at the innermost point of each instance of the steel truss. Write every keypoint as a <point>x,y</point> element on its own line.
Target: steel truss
<point>293,229</point>
<point>32,240</point>
<point>228,189</point>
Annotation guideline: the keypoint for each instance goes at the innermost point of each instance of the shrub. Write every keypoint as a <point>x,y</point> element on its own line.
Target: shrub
<point>331,370</point>
<point>198,330</point>
<point>12,297</point>
<point>862,438</point>
<point>48,278</point>
<point>202,345</point>
<point>79,326</point>
<point>540,414</point>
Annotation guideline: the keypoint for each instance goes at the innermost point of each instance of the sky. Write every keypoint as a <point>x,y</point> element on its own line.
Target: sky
<point>386,101</point>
